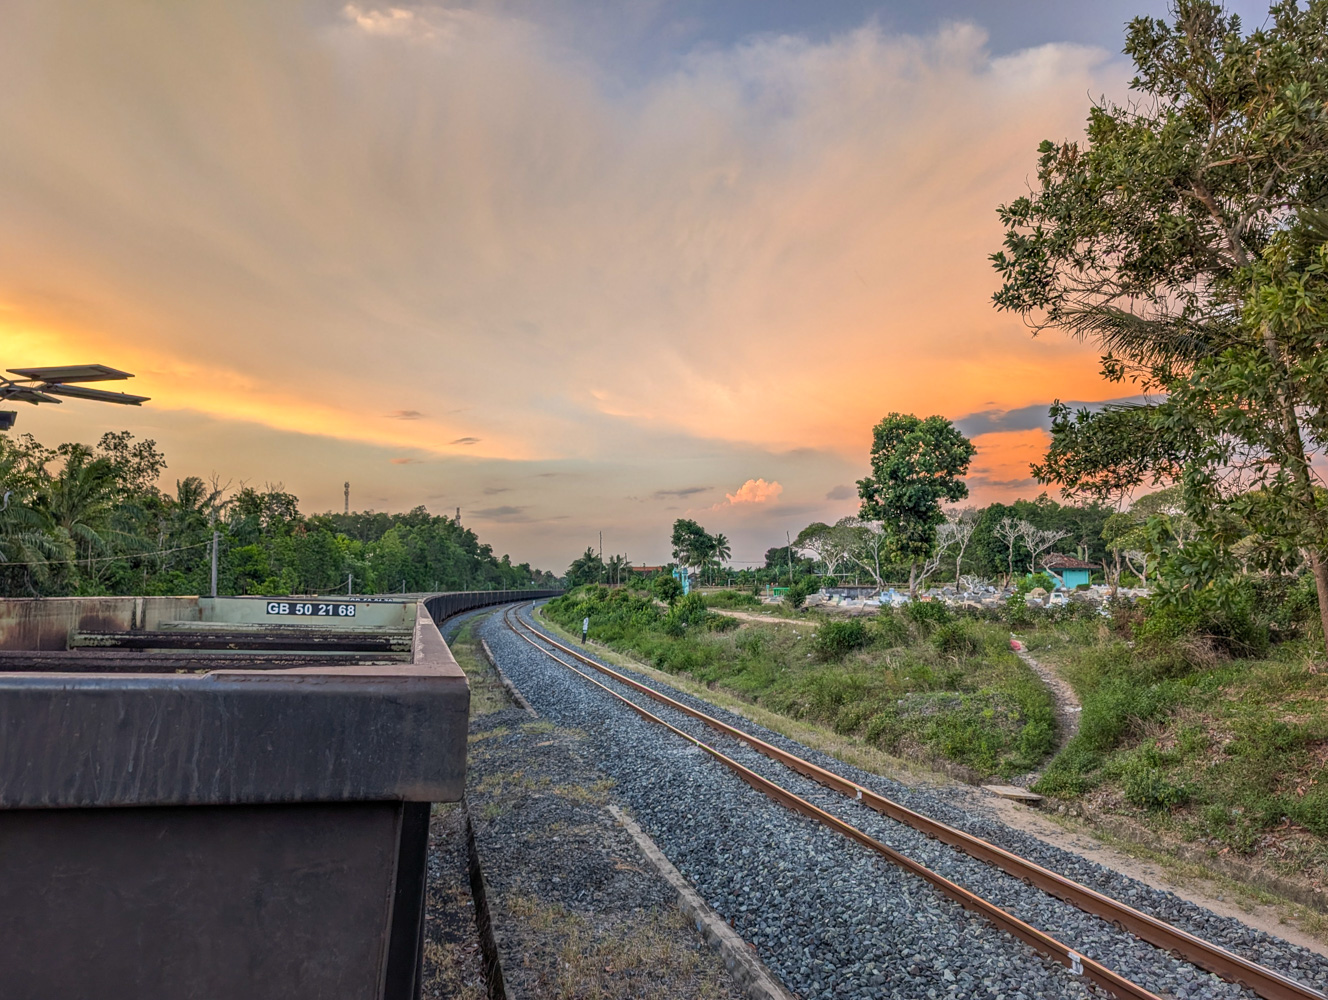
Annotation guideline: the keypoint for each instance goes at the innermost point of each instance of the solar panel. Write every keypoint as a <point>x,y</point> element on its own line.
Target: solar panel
<point>25,394</point>
<point>71,373</point>
<point>80,392</point>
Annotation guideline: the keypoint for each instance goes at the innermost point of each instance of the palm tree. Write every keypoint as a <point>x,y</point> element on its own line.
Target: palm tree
<point>712,557</point>
<point>722,550</point>
<point>80,501</point>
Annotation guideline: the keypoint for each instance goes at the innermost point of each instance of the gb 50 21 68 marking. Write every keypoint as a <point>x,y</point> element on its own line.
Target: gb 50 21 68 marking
<point>314,609</point>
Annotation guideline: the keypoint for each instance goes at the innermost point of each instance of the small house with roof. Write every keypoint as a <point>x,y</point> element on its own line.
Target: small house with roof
<point>1068,571</point>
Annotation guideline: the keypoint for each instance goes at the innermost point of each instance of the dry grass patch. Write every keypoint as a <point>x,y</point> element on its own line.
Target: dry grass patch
<point>487,693</point>
<point>647,956</point>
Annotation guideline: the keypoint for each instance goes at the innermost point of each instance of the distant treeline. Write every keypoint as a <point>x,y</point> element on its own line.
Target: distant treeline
<point>91,520</point>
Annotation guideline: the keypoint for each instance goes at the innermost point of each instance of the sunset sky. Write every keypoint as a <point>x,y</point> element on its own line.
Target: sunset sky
<point>571,265</point>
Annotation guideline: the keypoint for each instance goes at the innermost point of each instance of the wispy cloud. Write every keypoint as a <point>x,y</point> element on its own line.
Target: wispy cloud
<point>405,461</point>
<point>842,492</point>
<point>680,236</point>
<point>503,513</point>
<point>686,491</point>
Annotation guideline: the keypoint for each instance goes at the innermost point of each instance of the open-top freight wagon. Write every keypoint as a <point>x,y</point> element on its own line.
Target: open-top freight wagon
<point>223,797</point>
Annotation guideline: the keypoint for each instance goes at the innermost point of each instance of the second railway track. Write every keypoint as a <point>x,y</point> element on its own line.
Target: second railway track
<point>769,769</point>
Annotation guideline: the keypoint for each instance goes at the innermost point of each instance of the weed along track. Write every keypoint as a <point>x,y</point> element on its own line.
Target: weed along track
<point>1118,948</point>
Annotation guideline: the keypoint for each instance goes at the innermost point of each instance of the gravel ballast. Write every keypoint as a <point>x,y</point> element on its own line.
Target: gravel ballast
<point>576,909</point>
<point>835,920</point>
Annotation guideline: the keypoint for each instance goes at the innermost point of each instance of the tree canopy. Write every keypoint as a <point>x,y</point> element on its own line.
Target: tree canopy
<point>916,465</point>
<point>1187,236</point>
<point>81,519</point>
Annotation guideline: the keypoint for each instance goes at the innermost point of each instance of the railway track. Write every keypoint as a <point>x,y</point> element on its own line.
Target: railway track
<point>1234,968</point>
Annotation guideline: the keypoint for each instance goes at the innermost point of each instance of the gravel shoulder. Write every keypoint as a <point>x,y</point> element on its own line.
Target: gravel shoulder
<point>802,897</point>
<point>577,911</point>
<point>453,965</point>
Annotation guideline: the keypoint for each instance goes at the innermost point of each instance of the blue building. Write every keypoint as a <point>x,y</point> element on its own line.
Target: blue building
<point>1068,571</point>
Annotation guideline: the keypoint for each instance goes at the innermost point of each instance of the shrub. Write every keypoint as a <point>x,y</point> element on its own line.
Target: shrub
<point>890,628</point>
<point>834,639</point>
<point>731,599</point>
<point>667,589</point>
<point>1069,774</point>
<point>1229,625</point>
<point>1146,786</point>
<point>688,612</point>
<point>796,596</point>
<point>927,614</point>
<point>954,638</point>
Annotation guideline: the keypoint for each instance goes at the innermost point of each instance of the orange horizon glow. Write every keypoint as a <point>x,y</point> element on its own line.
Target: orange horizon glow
<point>431,252</point>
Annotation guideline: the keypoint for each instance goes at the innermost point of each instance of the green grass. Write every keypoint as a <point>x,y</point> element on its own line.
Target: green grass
<point>487,693</point>
<point>1227,753</point>
<point>740,600</point>
<point>947,690</point>
<point>1231,753</point>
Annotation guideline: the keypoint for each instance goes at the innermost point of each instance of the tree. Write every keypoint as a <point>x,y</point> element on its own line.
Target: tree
<point>961,524</point>
<point>586,568</point>
<point>723,552</point>
<point>667,589</point>
<point>1187,237</point>
<point>692,544</point>
<point>916,465</point>
<point>1039,540</point>
<point>828,544</point>
<point>615,568</point>
<point>1009,531</point>
<point>868,546</point>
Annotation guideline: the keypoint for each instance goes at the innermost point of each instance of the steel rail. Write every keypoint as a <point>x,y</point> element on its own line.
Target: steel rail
<point>1265,982</point>
<point>1049,946</point>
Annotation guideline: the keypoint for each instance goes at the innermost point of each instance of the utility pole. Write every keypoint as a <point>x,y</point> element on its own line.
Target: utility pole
<point>349,578</point>
<point>790,557</point>
<point>458,515</point>
<point>216,537</point>
<point>347,496</point>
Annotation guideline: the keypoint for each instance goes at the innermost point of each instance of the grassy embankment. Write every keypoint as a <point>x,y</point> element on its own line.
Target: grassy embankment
<point>1213,739</point>
<point>923,686</point>
<point>1228,754</point>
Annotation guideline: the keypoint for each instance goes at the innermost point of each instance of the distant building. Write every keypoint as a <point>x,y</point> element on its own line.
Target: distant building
<point>1068,571</point>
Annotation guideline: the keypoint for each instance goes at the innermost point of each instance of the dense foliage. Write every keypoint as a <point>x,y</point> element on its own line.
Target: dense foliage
<point>916,465</point>
<point>79,519</point>
<point>697,549</point>
<point>1187,236</point>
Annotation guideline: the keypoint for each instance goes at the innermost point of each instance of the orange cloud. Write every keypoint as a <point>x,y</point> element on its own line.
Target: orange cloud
<point>753,491</point>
